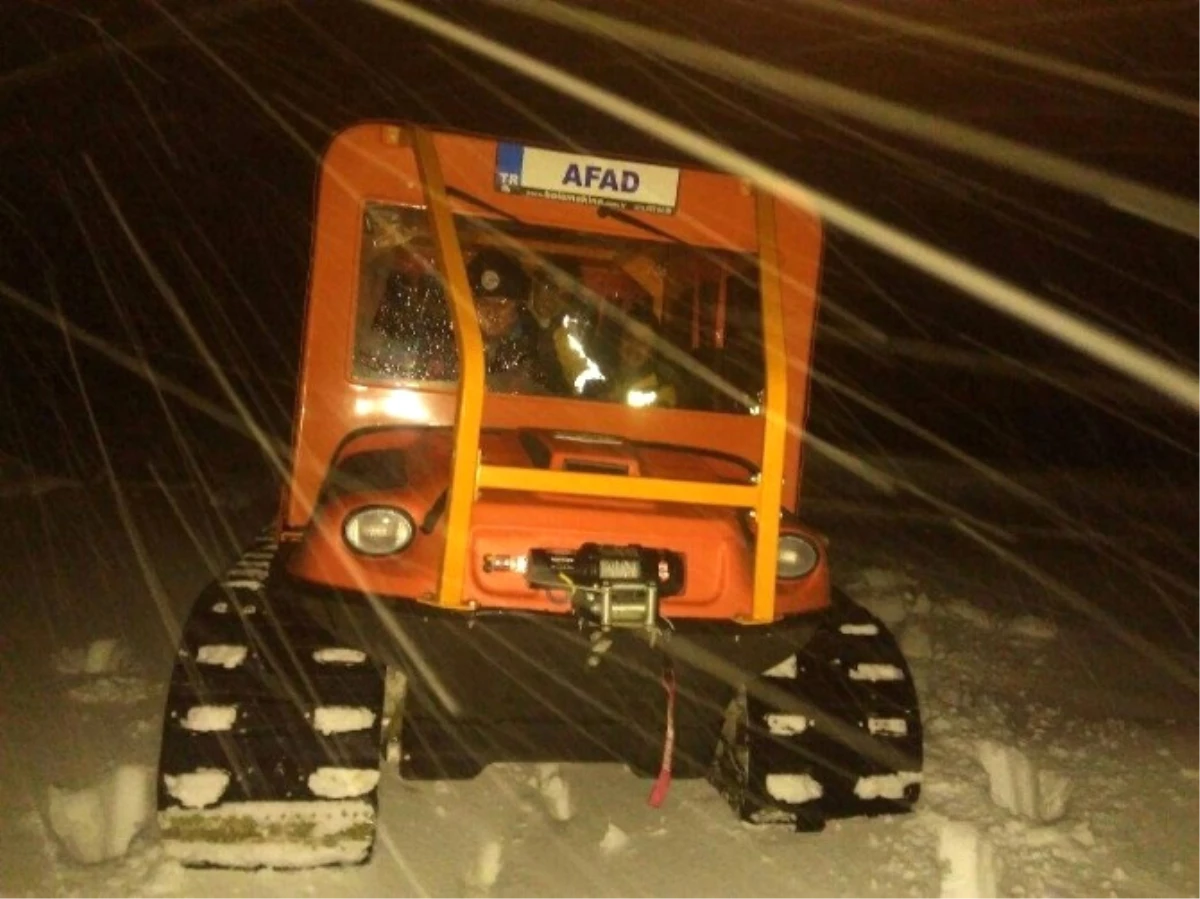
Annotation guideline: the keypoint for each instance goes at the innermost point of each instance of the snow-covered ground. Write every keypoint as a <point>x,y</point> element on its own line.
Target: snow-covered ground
<point>1059,762</point>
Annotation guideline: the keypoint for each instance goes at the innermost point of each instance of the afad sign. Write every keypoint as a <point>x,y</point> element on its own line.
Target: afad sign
<point>575,178</point>
<point>626,181</point>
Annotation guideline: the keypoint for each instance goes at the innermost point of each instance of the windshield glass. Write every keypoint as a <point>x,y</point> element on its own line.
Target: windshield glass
<point>642,322</point>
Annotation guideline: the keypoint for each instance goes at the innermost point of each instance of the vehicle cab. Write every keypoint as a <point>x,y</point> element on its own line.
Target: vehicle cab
<point>649,389</point>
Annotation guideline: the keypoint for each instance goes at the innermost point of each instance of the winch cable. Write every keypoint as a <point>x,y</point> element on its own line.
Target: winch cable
<point>658,793</point>
<point>662,784</point>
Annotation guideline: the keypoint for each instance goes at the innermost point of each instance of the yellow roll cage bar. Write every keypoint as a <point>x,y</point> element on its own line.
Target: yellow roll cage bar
<point>469,475</point>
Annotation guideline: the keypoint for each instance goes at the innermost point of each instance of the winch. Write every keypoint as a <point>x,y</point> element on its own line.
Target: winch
<point>616,586</point>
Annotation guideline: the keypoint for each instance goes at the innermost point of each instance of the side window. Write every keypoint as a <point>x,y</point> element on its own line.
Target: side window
<point>402,322</point>
<point>743,365</point>
<point>713,325</point>
<point>690,338</point>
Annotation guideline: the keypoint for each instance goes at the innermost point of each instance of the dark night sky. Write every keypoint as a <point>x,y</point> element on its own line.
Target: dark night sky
<point>119,110</point>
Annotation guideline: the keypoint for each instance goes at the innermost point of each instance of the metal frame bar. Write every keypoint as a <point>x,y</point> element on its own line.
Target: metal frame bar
<point>469,475</point>
<point>537,480</point>
<point>469,341</point>
<point>775,403</point>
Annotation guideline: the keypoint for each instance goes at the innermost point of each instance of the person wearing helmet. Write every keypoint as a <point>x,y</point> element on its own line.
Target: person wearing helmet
<point>500,288</point>
<point>411,335</point>
<point>639,376</point>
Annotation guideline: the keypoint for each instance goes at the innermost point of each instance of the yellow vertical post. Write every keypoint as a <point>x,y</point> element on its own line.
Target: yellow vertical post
<point>775,414</point>
<point>470,373</point>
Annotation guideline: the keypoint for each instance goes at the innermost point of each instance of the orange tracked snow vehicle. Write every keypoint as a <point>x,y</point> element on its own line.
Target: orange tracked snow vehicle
<point>543,505</point>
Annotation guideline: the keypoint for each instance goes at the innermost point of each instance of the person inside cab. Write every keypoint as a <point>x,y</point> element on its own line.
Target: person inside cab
<point>640,378</point>
<point>404,325</point>
<point>566,322</point>
<point>500,288</point>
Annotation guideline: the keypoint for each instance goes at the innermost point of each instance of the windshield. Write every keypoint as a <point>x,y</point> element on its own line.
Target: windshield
<point>641,322</point>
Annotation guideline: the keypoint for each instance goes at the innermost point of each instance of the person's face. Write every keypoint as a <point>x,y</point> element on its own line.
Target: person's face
<point>547,300</point>
<point>497,316</point>
<point>633,351</point>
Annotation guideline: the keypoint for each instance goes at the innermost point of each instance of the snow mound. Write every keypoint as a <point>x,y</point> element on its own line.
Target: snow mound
<point>963,610</point>
<point>98,822</point>
<point>968,861</point>
<point>890,595</point>
<point>915,642</point>
<point>878,580</point>
<point>101,674</point>
<point>921,605</point>
<point>614,840</point>
<point>555,793</point>
<point>884,593</point>
<point>112,691</point>
<point>1019,787</point>
<point>485,870</point>
<point>105,656</point>
<point>891,609</point>
<point>167,878</point>
<point>1030,627</point>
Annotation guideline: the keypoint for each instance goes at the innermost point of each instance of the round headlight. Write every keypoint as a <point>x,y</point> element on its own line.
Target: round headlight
<point>797,556</point>
<point>378,530</point>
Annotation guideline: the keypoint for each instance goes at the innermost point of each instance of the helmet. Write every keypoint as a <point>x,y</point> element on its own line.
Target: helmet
<point>494,273</point>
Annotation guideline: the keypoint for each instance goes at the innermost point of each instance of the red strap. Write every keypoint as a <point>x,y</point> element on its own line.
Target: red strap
<point>658,794</point>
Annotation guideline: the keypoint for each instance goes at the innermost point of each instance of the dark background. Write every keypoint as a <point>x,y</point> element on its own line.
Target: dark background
<point>150,198</point>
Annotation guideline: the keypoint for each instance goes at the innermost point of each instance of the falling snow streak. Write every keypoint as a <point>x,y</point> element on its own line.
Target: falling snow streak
<point>1171,380</point>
